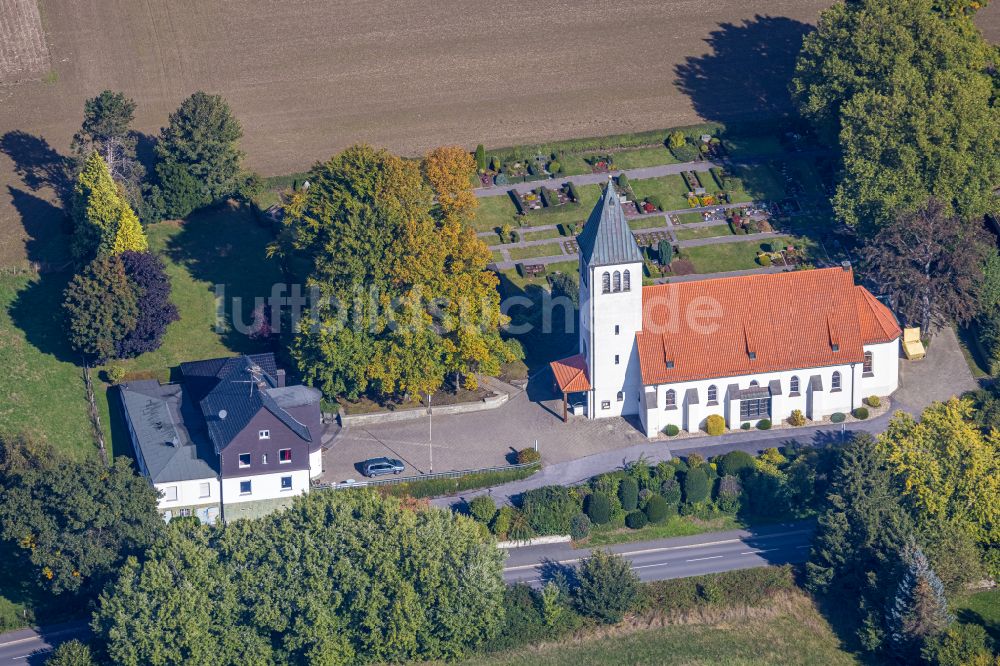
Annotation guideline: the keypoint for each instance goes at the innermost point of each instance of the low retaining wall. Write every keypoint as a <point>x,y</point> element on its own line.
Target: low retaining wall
<point>536,541</point>
<point>489,402</point>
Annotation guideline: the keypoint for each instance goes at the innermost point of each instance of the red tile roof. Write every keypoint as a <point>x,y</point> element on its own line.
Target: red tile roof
<point>744,325</point>
<point>571,374</point>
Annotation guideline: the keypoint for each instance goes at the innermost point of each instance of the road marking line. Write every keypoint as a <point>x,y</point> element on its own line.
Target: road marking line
<point>754,552</point>
<point>801,547</point>
<point>646,566</point>
<point>710,557</point>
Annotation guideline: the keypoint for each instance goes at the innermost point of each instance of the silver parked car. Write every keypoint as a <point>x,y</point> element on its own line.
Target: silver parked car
<point>379,466</point>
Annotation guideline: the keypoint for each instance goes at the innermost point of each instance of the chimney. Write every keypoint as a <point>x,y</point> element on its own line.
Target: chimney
<point>280,378</point>
<point>846,265</point>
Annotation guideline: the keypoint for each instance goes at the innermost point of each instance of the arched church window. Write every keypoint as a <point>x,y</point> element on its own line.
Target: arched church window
<point>606,283</point>
<point>671,398</point>
<point>626,281</point>
<point>617,281</point>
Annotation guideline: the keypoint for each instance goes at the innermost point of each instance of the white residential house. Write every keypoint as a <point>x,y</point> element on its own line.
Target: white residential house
<point>746,348</point>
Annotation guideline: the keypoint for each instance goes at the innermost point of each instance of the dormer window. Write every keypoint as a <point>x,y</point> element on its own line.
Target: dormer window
<point>670,364</point>
<point>835,347</point>
<point>752,355</point>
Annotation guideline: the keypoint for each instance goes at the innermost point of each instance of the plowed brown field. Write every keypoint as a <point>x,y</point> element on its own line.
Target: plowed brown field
<point>308,77</point>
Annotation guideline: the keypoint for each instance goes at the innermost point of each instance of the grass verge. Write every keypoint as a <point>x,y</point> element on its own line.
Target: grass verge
<point>675,526</point>
<point>439,487</point>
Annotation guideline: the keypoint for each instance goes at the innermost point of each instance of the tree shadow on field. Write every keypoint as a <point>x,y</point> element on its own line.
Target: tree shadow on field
<point>38,164</point>
<point>37,311</point>
<point>747,72</point>
<point>45,227</point>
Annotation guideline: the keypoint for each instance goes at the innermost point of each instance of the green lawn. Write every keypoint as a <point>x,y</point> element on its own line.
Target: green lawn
<point>703,232</point>
<point>495,212</point>
<point>41,384</point>
<point>647,223</point>
<point>675,526</point>
<point>534,251</point>
<point>568,213</point>
<point>530,234</point>
<point>643,157</point>
<point>672,190</point>
<point>511,275</point>
<point>980,608</point>
<point>796,634</point>
<point>723,257</point>
<point>760,181</point>
<point>689,218</point>
<point>753,146</point>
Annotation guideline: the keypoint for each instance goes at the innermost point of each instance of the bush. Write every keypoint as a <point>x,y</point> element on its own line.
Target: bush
<point>873,401</point>
<point>657,509</point>
<point>764,424</point>
<point>671,430</point>
<point>579,527</point>
<point>502,521</point>
<point>715,425</point>
<point>116,374</point>
<point>797,418</point>
<point>636,520</point>
<point>696,487</point>
<point>500,179</point>
<point>598,508</point>
<point>549,509</point>
<point>671,491</point>
<point>744,426</point>
<point>861,413</point>
<point>764,259</point>
<point>554,166</point>
<point>623,183</point>
<point>676,139</point>
<point>734,462</point>
<point>528,455</point>
<point>837,417</point>
<point>607,587</point>
<point>482,508</point>
<point>959,645</point>
<point>573,193</point>
<point>628,494</point>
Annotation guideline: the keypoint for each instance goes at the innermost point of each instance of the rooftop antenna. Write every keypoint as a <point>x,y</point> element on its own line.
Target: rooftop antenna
<point>223,414</point>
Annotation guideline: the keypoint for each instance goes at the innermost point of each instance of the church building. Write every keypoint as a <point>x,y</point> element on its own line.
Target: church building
<point>747,348</point>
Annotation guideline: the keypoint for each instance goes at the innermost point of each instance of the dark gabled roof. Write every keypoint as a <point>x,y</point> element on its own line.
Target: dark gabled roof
<point>165,422</point>
<point>606,238</point>
<point>234,390</point>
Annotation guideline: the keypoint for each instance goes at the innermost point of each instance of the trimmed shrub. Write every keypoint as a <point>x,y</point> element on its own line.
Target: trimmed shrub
<point>579,527</point>
<point>676,139</point>
<point>116,374</point>
<point>500,179</point>
<point>549,509</point>
<point>554,166</point>
<point>628,494</point>
<point>734,462</point>
<point>715,425</point>
<point>696,486</point>
<point>764,259</point>
<point>598,508</point>
<point>671,430</point>
<point>764,424</point>
<point>838,417</point>
<point>520,529</point>
<point>657,508</point>
<point>607,587</point>
<point>745,426</point>
<point>797,418</point>
<point>873,401</point>
<point>665,251</point>
<point>480,157</point>
<point>671,491</point>
<point>483,509</point>
<point>636,520</point>
<point>528,455</point>
<point>623,183</point>
<point>860,413</point>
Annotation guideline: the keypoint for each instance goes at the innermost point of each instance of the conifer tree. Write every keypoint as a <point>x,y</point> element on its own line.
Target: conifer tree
<point>919,608</point>
<point>103,221</point>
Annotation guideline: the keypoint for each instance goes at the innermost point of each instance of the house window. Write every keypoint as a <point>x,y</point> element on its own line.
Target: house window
<point>616,359</point>
<point>286,483</point>
<point>754,408</point>
<point>617,281</point>
<point>263,434</point>
<point>869,364</point>
<point>245,487</point>
<point>170,494</point>
<point>205,490</point>
<point>606,283</point>
<point>621,396</point>
<point>793,385</point>
<point>671,399</point>
<point>185,513</point>
<point>627,281</point>
<point>713,394</point>
<point>754,383</point>
<point>617,329</point>
<point>605,404</point>
<point>835,382</point>
<point>244,460</point>
<point>284,456</point>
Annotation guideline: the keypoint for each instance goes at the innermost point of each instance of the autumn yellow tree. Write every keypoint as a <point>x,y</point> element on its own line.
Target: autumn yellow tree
<point>949,470</point>
<point>104,223</point>
<point>448,170</point>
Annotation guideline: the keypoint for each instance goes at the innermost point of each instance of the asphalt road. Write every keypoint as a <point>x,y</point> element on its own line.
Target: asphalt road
<point>674,558</point>
<point>30,647</point>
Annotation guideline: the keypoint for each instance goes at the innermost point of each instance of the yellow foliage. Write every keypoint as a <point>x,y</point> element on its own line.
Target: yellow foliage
<point>448,170</point>
<point>129,235</point>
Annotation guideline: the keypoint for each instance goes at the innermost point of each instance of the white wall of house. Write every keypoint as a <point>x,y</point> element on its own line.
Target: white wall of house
<point>264,486</point>
<point>612,357</point>
<point>187,493</point>
<point>689,412</point>
<point>316,463</point>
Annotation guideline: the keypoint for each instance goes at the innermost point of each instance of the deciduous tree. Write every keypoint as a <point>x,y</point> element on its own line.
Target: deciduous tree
<point>930,265</point>
<point>146,272</point>
<point>607,588</point>
<point>448,170</point>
